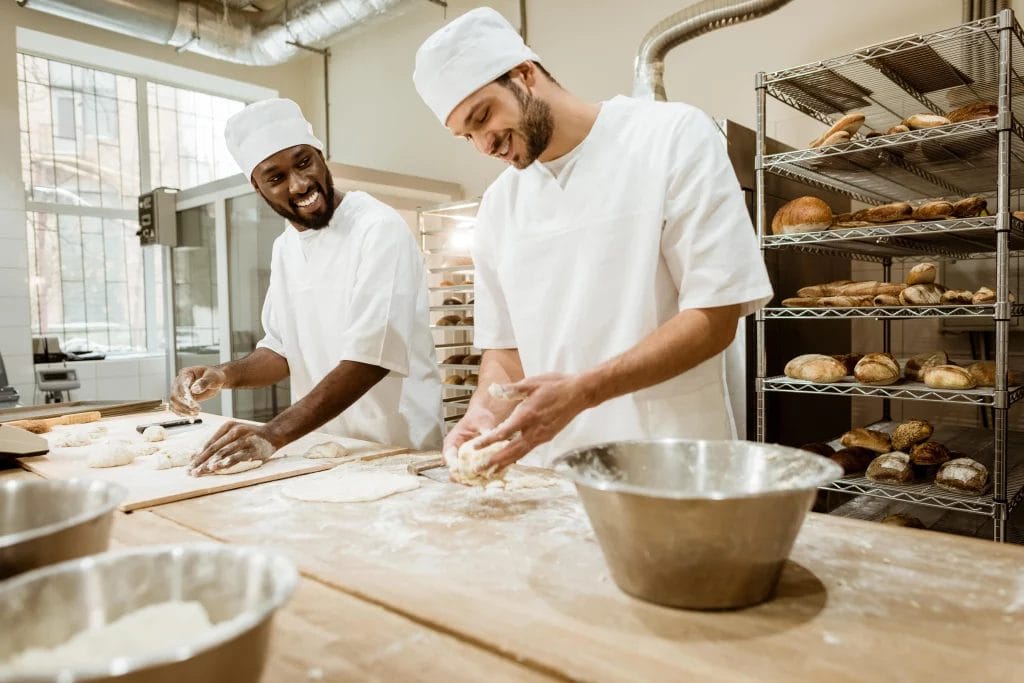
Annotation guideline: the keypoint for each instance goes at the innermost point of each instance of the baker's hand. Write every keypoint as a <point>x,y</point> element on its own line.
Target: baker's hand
<point>233,443</point>
<point>194,384</point>
<point>551,402</point>
<point>475,422</point>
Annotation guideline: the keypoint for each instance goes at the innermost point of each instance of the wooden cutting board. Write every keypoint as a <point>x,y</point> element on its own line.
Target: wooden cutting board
<point>148,487</point>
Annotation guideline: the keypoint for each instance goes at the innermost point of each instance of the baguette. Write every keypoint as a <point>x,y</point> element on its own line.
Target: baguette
<point>867,438</point>
<point>814,367</point>
<point>888,213</point>
<point>886,300</point>
<point>975,110</point>
<point>836,138</point>
<point>933,211</point>
<point>853,224</point>
<point>801,302</point>
<point>919,121</point>
<point>900,128</point>
<point>845,301</point>
<point>849,124</point>
<point>827,289</point>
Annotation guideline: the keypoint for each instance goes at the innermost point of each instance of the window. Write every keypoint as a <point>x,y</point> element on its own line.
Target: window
<point>80,150</point>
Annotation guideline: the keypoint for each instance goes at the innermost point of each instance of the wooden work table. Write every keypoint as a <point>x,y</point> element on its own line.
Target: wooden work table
<point>448,583</point>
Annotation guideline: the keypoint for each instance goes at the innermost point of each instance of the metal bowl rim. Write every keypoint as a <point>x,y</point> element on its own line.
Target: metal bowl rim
<point>833,472</point>
<point>116,493</point>
<point>288,575</point>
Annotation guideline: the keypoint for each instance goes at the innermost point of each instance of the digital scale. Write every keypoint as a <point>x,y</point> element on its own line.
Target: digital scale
<point>55,382</point>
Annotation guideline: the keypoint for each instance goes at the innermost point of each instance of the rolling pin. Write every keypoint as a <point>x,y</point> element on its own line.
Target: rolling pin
<point>43,426</point>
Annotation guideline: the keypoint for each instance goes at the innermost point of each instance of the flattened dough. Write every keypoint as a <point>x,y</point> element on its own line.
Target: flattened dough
<point>354,487</point>
<point>327,449</point>
<point>243,466</point>
<point>167,458</point>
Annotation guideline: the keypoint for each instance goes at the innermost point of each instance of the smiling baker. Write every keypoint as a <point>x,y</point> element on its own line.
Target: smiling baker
<point>346,313</point>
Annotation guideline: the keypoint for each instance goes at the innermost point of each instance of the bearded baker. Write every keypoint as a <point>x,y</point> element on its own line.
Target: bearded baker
<point>613,258</point>
<point>346,313</point>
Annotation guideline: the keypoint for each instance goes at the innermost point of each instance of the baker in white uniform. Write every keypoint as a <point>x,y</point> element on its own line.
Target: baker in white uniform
<point>346,313</point>
<point>614,258</point>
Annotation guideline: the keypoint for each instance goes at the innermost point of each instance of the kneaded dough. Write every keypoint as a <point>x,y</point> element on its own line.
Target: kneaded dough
<point>243,466</point>
<point>467,465</point>
<point>154,433</point>
<point>114,454</point>
<point>327,449</point>
<point>144,449</point>
<point>167,458</point>
<point>353,487</point>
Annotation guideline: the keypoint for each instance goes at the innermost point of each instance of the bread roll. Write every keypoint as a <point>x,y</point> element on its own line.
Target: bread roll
<point>449,320</point>
<point>890,468</point>
<point>973,111</point>
<point>921,295</point>
<point>815,367</point>
<point>970,207</point>
<point>887,213</point>
<point>877,369</point>
<point>984,295</point>
<point>454,359</point>
<point>853,460</point>
<point>947,377</point>
<point>453,379</point>
<point>871,439</point>
<point>929,453</point>
<point>933,211</point>
<point>897,129</point>
<point>803,214</point>
<point>819,448</point>
<point>850,360</point>
<point>919,121</point>
<point>900,519</point>
<point>886,300</point>
<point>909,433</point>
<point>952,297</point>
<point>849,124</point>
<point>962,475</point>
<point>922,273</point>
<point>912,371</point>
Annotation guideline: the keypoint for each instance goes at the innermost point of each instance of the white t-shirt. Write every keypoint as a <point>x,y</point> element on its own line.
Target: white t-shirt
<point>650,221</point>
<point>356,290</point>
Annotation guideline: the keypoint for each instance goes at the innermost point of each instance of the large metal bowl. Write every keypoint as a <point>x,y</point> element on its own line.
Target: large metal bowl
<point>239,587</point>
<point>696,524</point>
<point>47,521</point>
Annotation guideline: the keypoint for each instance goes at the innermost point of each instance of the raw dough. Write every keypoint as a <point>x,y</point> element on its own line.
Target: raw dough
<point>74,437</point>
<point>154,433</point>
<point>144,449</point>
<point>243,466</point>
<point>466,466</point>
<point>351,487</point>
<point>166,458</point>
<point>503,393</point>
<point>327,449</point>
<point>114,454</point>
<point>162,627</point>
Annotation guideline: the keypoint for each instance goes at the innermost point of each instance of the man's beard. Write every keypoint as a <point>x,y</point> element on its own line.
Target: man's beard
<point>316,221</point>
<point>536,126</point>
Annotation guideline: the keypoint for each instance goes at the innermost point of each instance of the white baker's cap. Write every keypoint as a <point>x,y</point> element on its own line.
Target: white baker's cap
<point>464,56</point>
<point>263,129</point>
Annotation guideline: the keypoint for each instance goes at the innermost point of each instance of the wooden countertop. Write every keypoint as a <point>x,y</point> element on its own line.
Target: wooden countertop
<point>448,583</point>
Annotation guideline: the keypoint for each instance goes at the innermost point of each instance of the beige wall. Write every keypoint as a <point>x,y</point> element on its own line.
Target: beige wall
<point>299,80</point>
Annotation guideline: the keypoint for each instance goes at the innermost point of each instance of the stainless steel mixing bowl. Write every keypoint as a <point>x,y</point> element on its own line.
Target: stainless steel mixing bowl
<point>240,588</point>
<point>47,521</point>
<point>696,524</point>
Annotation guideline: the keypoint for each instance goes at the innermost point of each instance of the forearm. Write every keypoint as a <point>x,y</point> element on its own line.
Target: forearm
<point>342,387</point>
<point>261,368</point>
<point>685,341</point>
<point>498,366</point>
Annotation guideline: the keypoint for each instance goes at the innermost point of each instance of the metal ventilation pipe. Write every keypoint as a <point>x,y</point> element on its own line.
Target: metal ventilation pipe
<point>684,25</point>
<point>215,29</point>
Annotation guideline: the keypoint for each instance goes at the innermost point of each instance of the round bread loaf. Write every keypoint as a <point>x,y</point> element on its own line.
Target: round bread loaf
<point>962,475</point>
<point>912,371</point>
<point>891,468</point>
<point>984,295</point>
<point>922,273</point>
<point>871,439</point>
<point>877,369</point>
<point>948,377</point>
<point>454,379</point>
<point>451,301</point>
<point>454,359</point>
<point>853,460</point>
<point>803,214</point>
<point>472,379</point>
<point>850,360</point>
<point>910,432</point>
<point>815,367</point>
<point>929,453</point>
<point>970,207</point>
<point>449,320</point>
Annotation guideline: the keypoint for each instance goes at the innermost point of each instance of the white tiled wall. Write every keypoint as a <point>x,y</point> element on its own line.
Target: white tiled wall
<point>132,378</point>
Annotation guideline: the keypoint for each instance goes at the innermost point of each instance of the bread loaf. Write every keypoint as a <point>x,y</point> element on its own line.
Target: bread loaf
<point>815,367</point>
<point>867,438</point>
<point>866,288</point>
<point>910,432</point>
<point>952,297</point>
<point>962,475</point>
<point>472,379</point>
<point>888,213</point>
<point>836,138</point>
<point>912,371</point>
<point>827,289</point>
<point>803,214</point>
<point>984,295</point>
<point>445,283</point>
<point>900,128</point>
<point>900,519</point>
<point>449,320</point>
<point>853,224</point>
<point>454,359</point>
<point>947,377</point>
<point>973,111</point>
<point>922,273</point>
<point>452,301</point>
<point>929,453</point>
<point>468,320</point>
<point>472,359</point>
<point>453,379</point>
<point>845,301</point>
<point>890,468</point>
<point>877,369</point>
<point>970,207</point>
<point>850,360</point>
<point>819,448</point>
<point>933,211</point>
<point>853,460</point>
<point>801,302</point>
<point>849,124</point>
<point>886,300</point>
<point>456,261</point>
<point>919,121</point>
<point>984,374</point>
<point>921,295</point>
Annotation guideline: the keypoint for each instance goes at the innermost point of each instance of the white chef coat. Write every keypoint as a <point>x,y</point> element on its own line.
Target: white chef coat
<point>649,220</point>
<point>356,290</point>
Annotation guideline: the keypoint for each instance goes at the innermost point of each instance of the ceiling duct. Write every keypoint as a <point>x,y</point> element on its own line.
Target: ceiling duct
<point>684,25</point>
<point>256,33</point>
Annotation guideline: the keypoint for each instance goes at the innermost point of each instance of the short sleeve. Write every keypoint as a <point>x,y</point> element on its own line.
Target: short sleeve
<point>708,241</point>
<point>493,325</point>
<point>272,338</point>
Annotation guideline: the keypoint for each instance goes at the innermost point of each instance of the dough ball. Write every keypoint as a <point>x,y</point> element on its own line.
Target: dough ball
<point>469,465</point>
<point>154,433</point>
<point>327,449</point>
<point>114,454</point>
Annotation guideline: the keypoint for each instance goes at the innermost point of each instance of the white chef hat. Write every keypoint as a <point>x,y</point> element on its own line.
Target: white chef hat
<point>464,56</point>
<point>263,129</point>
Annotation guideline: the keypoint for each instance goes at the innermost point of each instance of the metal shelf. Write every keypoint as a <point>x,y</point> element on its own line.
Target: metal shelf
<point>468,287</point>
<point>460,387</point>
<point>978,444</point>
<point>918,391</point>
<point>452,307</point>
<point>459,366</point>
<point>453,328</point>
<point>451,269</point>
<point>455,345</point>
<point>954,238</point>
<point>889,312</point>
